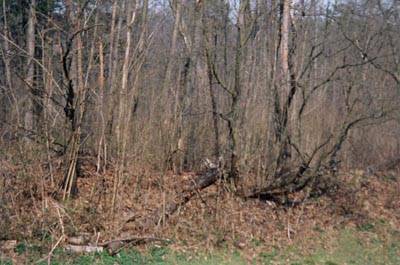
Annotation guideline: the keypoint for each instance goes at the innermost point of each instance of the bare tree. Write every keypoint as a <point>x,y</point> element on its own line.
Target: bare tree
<point>30,43</point>
<point>279,92</point>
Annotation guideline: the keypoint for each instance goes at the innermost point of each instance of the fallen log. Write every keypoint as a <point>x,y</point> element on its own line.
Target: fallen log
<point>83,249</point>
<point>113,246</point>
<point>116,245</point>
<point>202,181</point>
<point>82,239</point>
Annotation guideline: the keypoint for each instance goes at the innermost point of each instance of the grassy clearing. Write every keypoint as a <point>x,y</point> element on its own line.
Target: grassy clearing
<point>370,244</point>
<point>352,246</point>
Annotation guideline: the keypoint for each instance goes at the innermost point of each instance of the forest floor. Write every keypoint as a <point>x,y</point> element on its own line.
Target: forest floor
<point>358,224</point>
<point>372,244</point>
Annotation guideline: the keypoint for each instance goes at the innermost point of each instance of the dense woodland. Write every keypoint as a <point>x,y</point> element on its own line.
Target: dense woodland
<point>270,97</point>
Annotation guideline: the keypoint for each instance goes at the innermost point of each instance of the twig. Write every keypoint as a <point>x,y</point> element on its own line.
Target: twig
<point>48,257</point>
<point>60,220</point>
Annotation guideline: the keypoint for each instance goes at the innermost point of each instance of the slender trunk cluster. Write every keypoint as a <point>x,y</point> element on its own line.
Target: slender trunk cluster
<point>269,90</point>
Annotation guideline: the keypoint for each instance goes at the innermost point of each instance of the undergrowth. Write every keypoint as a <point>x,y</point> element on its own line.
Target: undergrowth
<point>373,244</point>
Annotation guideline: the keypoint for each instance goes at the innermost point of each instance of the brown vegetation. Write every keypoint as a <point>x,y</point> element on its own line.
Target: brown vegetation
<point>212,217</point>
<point>201,121</point>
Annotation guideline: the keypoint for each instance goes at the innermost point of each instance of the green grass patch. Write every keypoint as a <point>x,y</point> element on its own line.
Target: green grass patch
<point>373,245</point>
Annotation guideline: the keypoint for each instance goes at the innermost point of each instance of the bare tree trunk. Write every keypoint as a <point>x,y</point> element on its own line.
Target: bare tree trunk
<point>285,29</point>
<point>128,93</point>
<point>30,43</point>
<point>75,96</point>
<point>102,144</point>
<point>9,92</point>
<point>173,50</point>
<point>213,107</point>
<point>122,104</point>
<point>233,116</point>
<point>173,153</point>
<point>283,98</point>
<point>112,99</point>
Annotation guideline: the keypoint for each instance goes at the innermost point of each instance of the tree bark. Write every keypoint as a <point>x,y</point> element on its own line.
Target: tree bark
<point>30,43</point>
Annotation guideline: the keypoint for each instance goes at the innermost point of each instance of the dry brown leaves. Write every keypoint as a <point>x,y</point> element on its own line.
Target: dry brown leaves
<point>213,218</point>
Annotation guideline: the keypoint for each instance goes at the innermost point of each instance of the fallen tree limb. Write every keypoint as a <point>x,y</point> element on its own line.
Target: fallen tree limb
<point>114,246</point>
<point>83,249</point>
<point>201,182</point>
